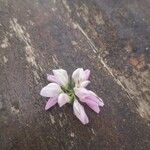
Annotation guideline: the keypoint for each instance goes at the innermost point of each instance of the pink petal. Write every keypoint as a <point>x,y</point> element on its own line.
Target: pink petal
<point>93,105</point>
<point>51,90</point>
<point>63,99</point>
<point>85,94</point>
<point>52,78</point>
<point>62,76</point>
<point>100,101</point>
<point>87,74</point>
<point>51,102</point>
<point>79,112</point>
<point>81,92</point>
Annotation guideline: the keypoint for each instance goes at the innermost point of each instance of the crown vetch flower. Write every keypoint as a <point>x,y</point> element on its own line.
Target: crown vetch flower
<point>62,91</point>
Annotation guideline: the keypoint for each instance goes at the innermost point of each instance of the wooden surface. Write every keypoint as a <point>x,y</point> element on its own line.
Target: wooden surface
<point>112,38</point>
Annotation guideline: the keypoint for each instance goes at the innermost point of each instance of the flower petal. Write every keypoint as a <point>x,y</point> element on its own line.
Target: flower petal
<point>62,76</point>
<point>100,101</point>
<point>81,92</point>
<point>51,90</point>
<point>76,75</point>
<point>85,94</point>
<point>51,102</point>
<point>85,83</point>
<point>79,112</point>
<point>87,74</point>
<point>93,105</point>
<point>63,99</point>
<point>52,78</point>
<point>82,76</point>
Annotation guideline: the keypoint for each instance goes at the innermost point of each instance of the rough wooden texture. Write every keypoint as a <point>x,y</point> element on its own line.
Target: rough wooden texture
<point>109,37</point>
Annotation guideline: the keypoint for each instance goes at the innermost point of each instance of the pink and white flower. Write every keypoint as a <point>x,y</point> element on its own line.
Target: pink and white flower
<point>63,91</point>
<point>54,90</point>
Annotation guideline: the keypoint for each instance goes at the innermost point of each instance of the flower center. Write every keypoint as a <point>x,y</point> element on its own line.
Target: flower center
<point>69,90</point>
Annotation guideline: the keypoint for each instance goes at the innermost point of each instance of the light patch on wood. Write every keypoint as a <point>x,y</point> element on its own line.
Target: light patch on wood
<point>5,59</point>
<point>41,68</point>
<point>74,25</point>
<point>19,30</point>
<point>77,26</point>
<point>60,114</point>
<point>52,119</point>
<point>136,87</point>
<point>5,43</point>
<point>55,59</point>
<point>99,19</point>
<point>74,43</point>
<point>30,22</point>
<point>66,5</point>
<point>10,34</point>
<point>93,131</point>
<point>130,85</point>
<point>36,76</point>
<point>14,110</point>
<point>60,123</point>
<point>22,34</point>
<point>144,109</point>
<point>84,12</point>
<point>72,134</point>
<point>54,9</point>
<point>30,56</point>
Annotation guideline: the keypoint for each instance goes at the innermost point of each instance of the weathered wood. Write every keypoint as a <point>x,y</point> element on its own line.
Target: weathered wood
<point>109,37</point>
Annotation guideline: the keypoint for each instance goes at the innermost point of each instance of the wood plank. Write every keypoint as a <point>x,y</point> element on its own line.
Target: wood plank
<point>38,36</point>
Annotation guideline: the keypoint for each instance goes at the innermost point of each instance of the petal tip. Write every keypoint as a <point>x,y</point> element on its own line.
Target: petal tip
<point>46,108</point>
<point>60,105</point>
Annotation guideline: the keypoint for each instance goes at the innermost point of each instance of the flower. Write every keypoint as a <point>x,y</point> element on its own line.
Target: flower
<point>62,91</point>
<point>54,90</point>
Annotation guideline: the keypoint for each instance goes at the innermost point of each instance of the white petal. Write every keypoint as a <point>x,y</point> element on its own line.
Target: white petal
<point>76,74</point>
<point>79,112</point>
<point>63,99</point>
<point>87,74</point>
<point>79,76</point>
<point>85,83</point>
<point>62,76</point>
<point>51,90</point>
<point>82,76</point>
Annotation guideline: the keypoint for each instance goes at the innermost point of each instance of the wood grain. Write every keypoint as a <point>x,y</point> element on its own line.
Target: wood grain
<point>111,38</point>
